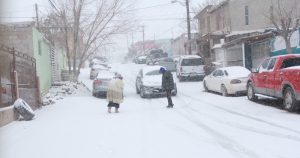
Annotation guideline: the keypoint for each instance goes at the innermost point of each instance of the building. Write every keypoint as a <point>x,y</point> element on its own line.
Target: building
<point>233,22</point>
<point>180,44</point>
<point>24,36</point>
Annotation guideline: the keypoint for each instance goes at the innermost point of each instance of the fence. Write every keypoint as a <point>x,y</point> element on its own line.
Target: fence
<point>18,78</point>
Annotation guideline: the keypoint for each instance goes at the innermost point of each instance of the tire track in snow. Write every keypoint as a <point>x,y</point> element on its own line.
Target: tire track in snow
<point>242,115</point>
<point>225,142</point>
<point>248,128</point>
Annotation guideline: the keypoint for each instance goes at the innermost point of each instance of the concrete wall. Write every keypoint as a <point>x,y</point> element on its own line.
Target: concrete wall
<point>7,115</point>
<point>43,62</point>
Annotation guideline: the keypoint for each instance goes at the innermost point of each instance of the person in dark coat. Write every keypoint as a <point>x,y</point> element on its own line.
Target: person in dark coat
<point>167,84</point>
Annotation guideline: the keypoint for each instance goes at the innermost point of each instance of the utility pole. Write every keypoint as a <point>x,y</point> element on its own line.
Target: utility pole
<point>188,25</point>
<point>143,39</point>
<point>37,15</point>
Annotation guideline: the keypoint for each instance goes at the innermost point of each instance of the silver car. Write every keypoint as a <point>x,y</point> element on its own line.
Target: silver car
<point>101,82</point>
<point>149,82</point>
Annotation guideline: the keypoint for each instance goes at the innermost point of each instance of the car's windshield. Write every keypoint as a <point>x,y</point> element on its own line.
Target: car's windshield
<point>192,62</point>
<point>153,73</point>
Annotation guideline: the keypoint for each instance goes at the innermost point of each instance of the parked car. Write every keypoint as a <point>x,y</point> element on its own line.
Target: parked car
<point>101,82</point>
<point>168,63</point>
<point>149,82</point>
<point>190,67</point>
<point>95,69</point>
<point>141,59</point>
<point>277,77</point>
<point>228,80</point>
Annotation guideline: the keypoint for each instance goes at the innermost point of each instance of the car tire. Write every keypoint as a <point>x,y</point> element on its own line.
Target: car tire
<point>142,93</point>
<point>24,109</point>
<point>205,86</point>
<point>224,91</point>
<point>289,100</point>
<point>137,90</point>
<point>250,92</point>
<point>181,78</point>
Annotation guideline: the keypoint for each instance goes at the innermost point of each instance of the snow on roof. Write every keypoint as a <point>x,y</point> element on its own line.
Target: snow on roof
<point>190,56</point>
<point>105,75</point>
<point>233,33</point>
<point>294,67</point>
<point>151,68</point>
<point>236,71</point>
<point>216,46</point>
<point>99,67</point>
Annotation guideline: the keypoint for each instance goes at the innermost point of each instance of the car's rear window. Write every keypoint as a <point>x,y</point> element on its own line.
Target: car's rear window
<point>192,62</point>
<point>291,62</point>
<point>151,73</point>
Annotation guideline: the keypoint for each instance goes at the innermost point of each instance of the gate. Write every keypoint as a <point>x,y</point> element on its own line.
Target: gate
<point>17,68</point>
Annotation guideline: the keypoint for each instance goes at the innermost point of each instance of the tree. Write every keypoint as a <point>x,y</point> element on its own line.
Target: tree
<point>87,26</point>
<point>285,18</point>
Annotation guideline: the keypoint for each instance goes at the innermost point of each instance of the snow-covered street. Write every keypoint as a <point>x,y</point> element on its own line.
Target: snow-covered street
<point>200,125</point>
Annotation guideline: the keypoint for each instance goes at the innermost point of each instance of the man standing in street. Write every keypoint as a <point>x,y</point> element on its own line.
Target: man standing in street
<point>167,84</point>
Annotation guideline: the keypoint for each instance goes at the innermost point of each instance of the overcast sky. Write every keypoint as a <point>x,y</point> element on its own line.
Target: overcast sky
<point>161,18</point>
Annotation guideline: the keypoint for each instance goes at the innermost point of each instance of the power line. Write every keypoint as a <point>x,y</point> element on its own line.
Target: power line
<point>154,6</point>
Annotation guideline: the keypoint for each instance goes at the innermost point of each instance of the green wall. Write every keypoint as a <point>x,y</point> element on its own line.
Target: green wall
<point>41,50</point>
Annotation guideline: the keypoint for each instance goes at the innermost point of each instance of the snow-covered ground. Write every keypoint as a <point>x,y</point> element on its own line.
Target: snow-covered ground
<point>201,125</point>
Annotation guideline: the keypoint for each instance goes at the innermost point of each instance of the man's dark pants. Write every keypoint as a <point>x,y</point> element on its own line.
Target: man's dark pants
<point>169,94</point>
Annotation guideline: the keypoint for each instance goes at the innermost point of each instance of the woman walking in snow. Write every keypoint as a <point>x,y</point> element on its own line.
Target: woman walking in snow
<point>115,93</point>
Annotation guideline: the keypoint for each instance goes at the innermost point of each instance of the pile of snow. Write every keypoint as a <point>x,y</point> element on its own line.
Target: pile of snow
<point>60,90</point>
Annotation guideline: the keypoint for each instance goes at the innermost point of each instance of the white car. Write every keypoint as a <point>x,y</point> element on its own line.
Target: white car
<point>190,67</point>
<point>228,80</point>
<point>149,82</point>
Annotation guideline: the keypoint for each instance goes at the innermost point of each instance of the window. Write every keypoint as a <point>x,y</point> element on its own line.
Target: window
<point>246,15</point>
<point>151,73</point>
<point>215,73</point>
<point>40,47</point>
<point>272,64</point>
<point>291,62</point>
<point>264,65</point>
<point>192,62</point>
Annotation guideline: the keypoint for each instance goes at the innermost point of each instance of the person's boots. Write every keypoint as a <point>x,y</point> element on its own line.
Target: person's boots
<point>109,110</point>
<point>170,106</point>
<point>117,111</point>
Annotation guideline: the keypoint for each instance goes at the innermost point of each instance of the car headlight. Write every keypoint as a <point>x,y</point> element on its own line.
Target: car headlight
<point>235,81</point>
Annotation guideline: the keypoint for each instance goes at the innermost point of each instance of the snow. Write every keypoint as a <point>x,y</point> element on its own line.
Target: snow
<point>294,67</point>
<point>147,69</point>
<point>99,67</point>
<point>233,33</point>
<point>216,46</point>
<point>237,71</point>
<point>200,125</point>
<point>153,80</point>
<point>190,56</point>
<point>105,75</point>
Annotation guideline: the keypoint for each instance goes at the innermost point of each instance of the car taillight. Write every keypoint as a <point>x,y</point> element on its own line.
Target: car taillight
<point>98,82</point>
<point>235,81</point>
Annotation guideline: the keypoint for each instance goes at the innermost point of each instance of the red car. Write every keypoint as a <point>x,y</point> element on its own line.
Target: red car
<point>277,77</point>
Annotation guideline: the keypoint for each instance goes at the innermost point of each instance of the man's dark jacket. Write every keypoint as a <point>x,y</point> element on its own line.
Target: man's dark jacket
<point>167,80</point>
